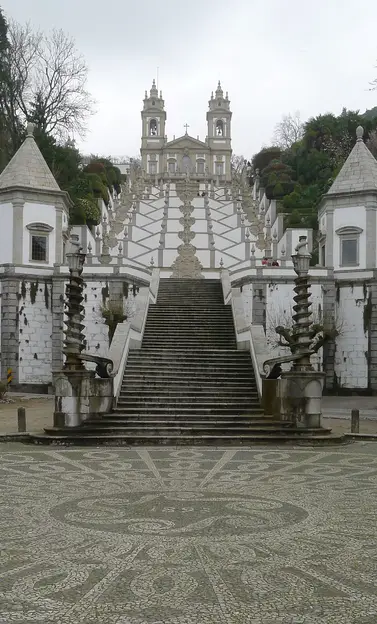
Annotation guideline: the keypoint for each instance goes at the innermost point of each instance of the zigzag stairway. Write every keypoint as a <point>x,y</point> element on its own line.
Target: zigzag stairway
<point>188,384</point>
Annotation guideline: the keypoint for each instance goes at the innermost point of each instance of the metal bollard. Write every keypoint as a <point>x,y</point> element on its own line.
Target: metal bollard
<point>355,417</point>
<point>21,420</point>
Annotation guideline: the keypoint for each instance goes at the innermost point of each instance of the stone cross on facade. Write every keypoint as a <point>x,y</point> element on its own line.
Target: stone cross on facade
<point>186,126</point>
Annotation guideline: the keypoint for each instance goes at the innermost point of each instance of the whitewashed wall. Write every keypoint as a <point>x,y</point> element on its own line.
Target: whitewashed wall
<point>247,298</point>
<point>6,245</point>
<point>350,216</point>
<point>35,328</point>
<point>39,213</point>
<point>96,332</point>
<point>351,364</point>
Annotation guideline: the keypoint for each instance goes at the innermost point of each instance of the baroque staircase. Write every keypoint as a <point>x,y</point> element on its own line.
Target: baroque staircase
<point>188,384</point>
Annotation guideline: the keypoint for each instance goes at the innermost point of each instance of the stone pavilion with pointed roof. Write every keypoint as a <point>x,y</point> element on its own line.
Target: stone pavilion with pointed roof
<point>34,211</point>
<point>348,213</point>
<point>177,157</point>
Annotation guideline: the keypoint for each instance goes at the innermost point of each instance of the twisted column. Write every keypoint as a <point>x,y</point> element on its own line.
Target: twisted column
<point>74,337</point>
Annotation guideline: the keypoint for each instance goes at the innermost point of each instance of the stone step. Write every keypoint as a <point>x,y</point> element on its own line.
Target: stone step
<point>214,330</point>
<point>192,386</point>
<point>180,377</point>
<point>142,380</point>
<point>181,345</point>
<point>202,355</point>
<point>295,438</point>
<point>191,370</point>
<point>186,410</point>
<point>184,392</point>
<point>241,403</point>
<point>188,308</point>
<point>166,431</point>
<point>222,421</point>
<point>190,331</point>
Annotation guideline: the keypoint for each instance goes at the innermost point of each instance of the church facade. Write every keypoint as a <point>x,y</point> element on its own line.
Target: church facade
<point>209,159</point>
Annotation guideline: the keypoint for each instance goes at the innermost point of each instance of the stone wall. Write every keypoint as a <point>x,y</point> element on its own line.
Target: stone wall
<point>96,295</point>
<point>351,353</point>
<point>35,330</point>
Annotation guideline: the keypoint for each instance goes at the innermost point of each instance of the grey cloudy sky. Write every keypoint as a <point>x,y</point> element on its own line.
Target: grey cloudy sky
<point>273,56</point>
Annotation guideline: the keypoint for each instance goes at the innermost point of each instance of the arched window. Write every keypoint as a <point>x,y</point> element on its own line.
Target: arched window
<point>219,127</point>
<point>153,127</point>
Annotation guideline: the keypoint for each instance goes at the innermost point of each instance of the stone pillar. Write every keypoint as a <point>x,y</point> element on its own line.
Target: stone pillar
<point>329,317</point>
<point>9,324</point>
<point>259,304</point>
<point>57,322</point>
<point>18,216</point>
<point>116,292</point>
<point>370,311</point>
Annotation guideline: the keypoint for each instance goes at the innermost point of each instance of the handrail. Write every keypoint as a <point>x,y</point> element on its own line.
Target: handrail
<point>249,337</point>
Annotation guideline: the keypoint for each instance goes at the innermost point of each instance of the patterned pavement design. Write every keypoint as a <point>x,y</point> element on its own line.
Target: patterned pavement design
<point>188,536</point>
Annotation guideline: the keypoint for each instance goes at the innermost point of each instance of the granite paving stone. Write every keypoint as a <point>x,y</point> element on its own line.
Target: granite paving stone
<point>188,536</point>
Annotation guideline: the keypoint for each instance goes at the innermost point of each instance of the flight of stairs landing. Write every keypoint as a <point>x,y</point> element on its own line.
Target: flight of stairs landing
<point>188,384</point>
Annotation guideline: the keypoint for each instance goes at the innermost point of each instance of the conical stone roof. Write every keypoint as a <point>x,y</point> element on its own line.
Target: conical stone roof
<point>359,172</point>
<point>28,169</point>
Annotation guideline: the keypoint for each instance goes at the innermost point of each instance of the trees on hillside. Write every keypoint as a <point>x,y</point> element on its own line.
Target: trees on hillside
<point>299,175</point>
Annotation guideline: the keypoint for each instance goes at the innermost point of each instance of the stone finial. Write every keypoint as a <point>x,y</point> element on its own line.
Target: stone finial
<point>359,133</point>
<point>221,262</point>
<point>30,129</point>
<point>152,262</point>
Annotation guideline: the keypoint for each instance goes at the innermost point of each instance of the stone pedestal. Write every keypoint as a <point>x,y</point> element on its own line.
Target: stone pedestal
<point>301,397</point>
<point>79,396</point>
<point>270,397</point>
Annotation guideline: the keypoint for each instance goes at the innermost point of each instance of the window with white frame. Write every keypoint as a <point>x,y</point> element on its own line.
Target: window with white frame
<point>349,238</point>
<point>152,167</point>
<point>39,242</point>
<point>171,165</point>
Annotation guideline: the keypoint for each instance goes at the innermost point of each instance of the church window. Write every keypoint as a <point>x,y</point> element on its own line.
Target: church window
<point>200,164</point>
<point>349,252</point>
<point>172,166</point>
<point>219,168</point>
<point>39,238</point>
<point>349,245</point>
<point>219,127</point>
<point>152,167</point>
<point>153,127</point>
<point>39,248</point>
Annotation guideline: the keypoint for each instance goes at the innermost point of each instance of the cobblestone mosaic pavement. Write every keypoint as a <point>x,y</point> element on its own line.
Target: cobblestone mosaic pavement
<point>189,536</point>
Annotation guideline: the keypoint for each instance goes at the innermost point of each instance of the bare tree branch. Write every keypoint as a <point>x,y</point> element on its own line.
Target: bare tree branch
<point>289,130</point>
<point>48,78</point>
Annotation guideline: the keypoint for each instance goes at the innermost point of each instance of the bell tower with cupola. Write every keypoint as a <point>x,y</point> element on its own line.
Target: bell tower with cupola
<point>219,118</point>
<point>153,138</point>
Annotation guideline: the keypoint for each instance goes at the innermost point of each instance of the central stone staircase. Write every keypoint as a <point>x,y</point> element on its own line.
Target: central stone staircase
<point>188,384</point>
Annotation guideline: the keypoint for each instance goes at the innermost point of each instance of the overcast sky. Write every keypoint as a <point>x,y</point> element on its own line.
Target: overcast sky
<point>272,56</point>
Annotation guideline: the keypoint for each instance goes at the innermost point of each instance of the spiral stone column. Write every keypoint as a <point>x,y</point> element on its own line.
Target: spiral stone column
<point>74,337</point>
<point>301,387</point>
